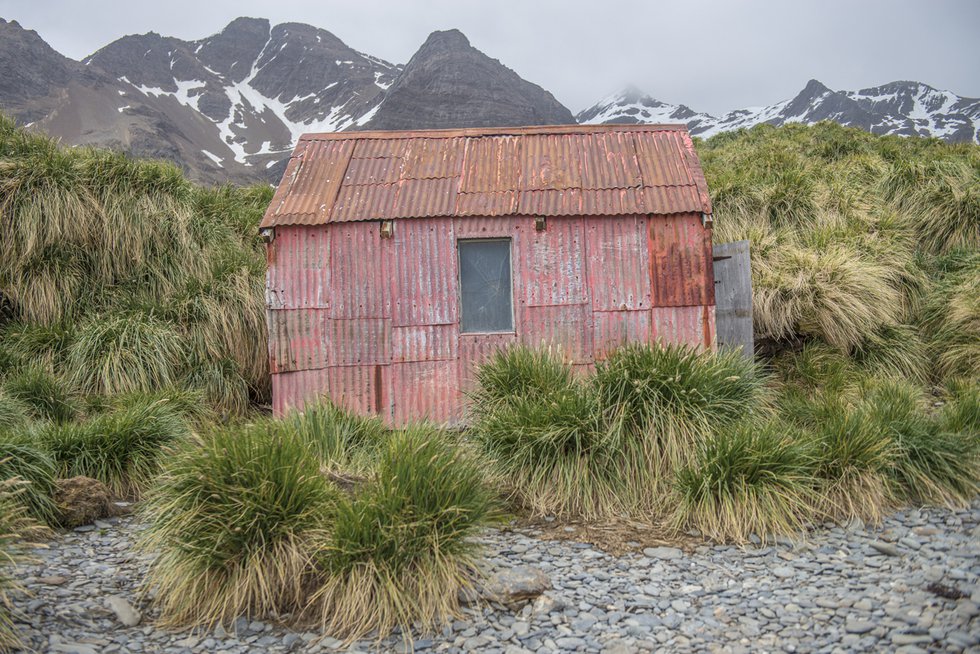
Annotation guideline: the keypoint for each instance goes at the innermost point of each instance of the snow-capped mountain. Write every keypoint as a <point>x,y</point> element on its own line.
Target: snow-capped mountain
<point>262,86</point>
<point>902,108</point>
<point>232,106</point>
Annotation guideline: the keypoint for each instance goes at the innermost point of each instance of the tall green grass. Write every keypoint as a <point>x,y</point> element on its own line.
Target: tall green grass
<point>22,460</point>
<point>15,528</point>
<point>123,276</point>
<point>756,478</point>
<point>122,448</point>
<point>846,229</point>
<point>340,439</point>
<point>607,445</point>
<point>234,525</point>
<point>402,549</point>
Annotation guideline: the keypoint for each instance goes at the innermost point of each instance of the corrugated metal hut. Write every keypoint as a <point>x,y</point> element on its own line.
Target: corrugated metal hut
<point>400,260</point>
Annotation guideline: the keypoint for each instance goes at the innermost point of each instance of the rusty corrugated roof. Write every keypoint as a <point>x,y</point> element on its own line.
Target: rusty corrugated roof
<point>563,170</point>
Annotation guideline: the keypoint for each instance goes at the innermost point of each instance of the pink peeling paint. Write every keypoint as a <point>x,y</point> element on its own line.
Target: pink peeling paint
<point>607,247</point>
<point>389,342</point>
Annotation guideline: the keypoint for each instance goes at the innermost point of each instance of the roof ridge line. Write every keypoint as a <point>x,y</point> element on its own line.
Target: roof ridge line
<point>491,131</point>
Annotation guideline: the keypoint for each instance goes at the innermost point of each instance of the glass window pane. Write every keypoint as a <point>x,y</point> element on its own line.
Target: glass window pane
<point>485,289</point>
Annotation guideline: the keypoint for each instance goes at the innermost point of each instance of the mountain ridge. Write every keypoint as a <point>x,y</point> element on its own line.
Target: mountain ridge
<point>904,108</point>
<point>231,106</point>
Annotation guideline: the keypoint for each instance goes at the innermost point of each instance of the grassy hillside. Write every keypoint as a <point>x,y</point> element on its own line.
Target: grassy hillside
<point>119,276</point>
<point>864,247</point>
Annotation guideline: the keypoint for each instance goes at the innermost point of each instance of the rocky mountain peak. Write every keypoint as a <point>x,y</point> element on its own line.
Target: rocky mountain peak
<point>451,39</point>
<point>449,83</point>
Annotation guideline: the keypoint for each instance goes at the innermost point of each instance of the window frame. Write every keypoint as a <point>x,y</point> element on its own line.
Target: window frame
<point>459,282</point>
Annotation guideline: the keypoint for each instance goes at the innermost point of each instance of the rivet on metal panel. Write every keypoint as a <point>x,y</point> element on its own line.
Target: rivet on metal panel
<point>387,228</point>
<point>539,224</point>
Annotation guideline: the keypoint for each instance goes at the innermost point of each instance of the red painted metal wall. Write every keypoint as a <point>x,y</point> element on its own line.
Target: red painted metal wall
<point>374,322</point>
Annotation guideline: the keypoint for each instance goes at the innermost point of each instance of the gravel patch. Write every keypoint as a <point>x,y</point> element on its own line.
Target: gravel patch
<point>843,589</point>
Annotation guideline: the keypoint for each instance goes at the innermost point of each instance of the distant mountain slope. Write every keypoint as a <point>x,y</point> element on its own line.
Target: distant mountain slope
<point>449,83</point>
<point>903,108</point>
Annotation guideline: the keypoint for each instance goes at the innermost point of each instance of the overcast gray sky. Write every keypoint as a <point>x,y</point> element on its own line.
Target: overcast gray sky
<point>714,55</point>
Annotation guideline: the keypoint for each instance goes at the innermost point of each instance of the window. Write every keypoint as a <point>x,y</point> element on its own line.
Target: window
<point>485,287</point>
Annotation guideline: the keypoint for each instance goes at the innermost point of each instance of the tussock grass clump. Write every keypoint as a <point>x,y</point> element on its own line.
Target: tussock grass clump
<point>545,434</point>
<point>43,393</point>
<point>22,460</point>
<point>125,353</point>
<point>933,464</point>
<point>952,316</point>
<point>606,445</point>
<point>755,478</point>
<point>852,458</point>
<point>961,412</point>
<point>14,412</point>
<point>122,448</point>
<point>673,396</point>
<point>15,528</point>
<point>340,439</point>
<point>236,521</point>
<point>845,230</point>
<point>401,550</point>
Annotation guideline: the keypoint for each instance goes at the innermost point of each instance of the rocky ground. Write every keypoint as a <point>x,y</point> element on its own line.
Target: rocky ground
<point>841,590</point>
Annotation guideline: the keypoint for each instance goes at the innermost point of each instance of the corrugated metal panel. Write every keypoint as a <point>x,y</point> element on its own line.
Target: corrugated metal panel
<point>609,162</point>
<point>552,263</point>
<point>567,327</point>
<point>426,390</point>
<point>434,158</point>
<point>697,173</point>
<point>356,202</point>
<point>547,171</point>
<point>424,272</point>
<point>662,160</point>
<point>551,161</point>
<point>491,227</point>
<point>618,263</point>
<point>299,270</point>
<point>372,171</point>
<point>684,325</point>
<point>616,328</point>
<point>359,341</point>
<point>474,349</point>
<point>486,204</point>
<point>299,339</point>
<point>285,184</point>
<point>362,389</point>
<point>680,261</point>
<point>491,164</point>
<point>359,271</point>
<point>317,180</point>
<point>422,198</point>
<point>563,202</point>
<point>666,200</point>
<point>375,148</point>
<point>425,343</point>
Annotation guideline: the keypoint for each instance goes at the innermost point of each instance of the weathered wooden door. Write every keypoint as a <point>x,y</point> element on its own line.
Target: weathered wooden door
<point>733,296</point>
